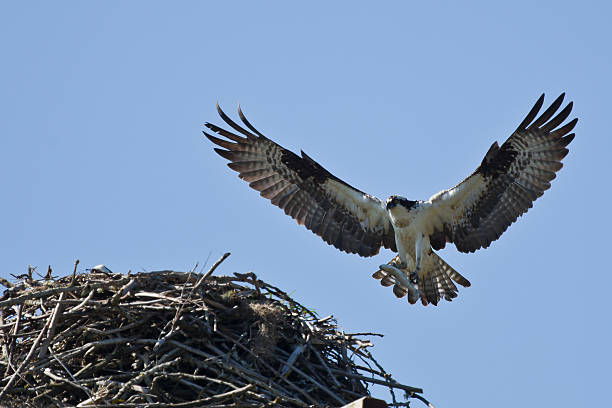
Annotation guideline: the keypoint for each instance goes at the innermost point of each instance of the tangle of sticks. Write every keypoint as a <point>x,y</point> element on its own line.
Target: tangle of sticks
<point>177,339</point>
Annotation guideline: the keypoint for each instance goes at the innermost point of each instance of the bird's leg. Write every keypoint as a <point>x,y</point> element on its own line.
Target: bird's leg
<point>399,277</point>
<point>418,255</point>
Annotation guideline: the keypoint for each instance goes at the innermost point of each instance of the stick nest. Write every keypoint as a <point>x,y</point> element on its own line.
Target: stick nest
<point>176,339</point>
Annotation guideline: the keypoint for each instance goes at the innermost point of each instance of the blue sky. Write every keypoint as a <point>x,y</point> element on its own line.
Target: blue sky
<point>102,158</point>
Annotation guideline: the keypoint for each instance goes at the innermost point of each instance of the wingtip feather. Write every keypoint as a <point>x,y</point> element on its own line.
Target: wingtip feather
<point>566,140</point>
<point>226,154</point>
<point>532,114</point>
<point>549,112</point>
<point>247,123</point>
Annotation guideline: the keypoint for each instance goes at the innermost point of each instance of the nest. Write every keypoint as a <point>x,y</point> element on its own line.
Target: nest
<point>177,339</point>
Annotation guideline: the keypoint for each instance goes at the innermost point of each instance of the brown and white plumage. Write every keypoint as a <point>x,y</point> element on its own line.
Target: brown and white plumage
<point>507,182</point>
<point>349,219</point>
<point>471,215</point>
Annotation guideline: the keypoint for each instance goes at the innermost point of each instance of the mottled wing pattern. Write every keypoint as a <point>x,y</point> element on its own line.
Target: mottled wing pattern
<point>510,178</point>
<point>341,215</point>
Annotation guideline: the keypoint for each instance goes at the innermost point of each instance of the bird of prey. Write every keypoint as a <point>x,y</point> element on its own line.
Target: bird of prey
<point>470,215</point>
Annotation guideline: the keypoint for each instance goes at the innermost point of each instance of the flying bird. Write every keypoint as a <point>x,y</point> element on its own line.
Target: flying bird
<point>470,215</point>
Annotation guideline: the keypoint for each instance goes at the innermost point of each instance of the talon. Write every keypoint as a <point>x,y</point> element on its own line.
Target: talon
<point>414,277</point>
<point>400,265</point>
<point>399,277</point>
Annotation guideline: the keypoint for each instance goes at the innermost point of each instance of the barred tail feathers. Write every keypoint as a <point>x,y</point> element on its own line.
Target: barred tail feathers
<point>450,272</point>
<point>435,282</point>
<point>438,283</point>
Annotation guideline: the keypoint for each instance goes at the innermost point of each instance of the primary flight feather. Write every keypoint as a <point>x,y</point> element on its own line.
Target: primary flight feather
<point>470,215</point>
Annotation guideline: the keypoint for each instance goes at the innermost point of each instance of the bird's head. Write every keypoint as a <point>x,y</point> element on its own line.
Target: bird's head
<point>394,201</point>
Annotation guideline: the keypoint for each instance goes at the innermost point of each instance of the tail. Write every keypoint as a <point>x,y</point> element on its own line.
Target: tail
<point>435,282</point>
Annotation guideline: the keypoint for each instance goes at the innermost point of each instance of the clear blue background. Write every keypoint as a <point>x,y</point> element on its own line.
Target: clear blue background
<point>101,158</point>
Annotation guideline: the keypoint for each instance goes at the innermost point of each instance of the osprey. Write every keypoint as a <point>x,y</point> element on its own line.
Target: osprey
<point>470,215</point>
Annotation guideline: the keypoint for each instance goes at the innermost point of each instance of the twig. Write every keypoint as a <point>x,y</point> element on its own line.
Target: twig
<point>49,274</point>
<point>6,283</point>
<point>318,355</point>
<point>51,331</point>
<point>139,377</point>
<point>73,280</point>
<point>11,340</point>
<point>88,392</point>
<point>83,303</point>
<point>385,375</point>
<point>286,369</point>
<point>318,384</point>
<point>196,403</point>
<point>124,289</point>
<point>211,270</point>
<point>364,334</point>
<point>46,293</point>
<point>293,386</point>
<point>390,384</point>
<point>26,360</point>
<point>48,373</point>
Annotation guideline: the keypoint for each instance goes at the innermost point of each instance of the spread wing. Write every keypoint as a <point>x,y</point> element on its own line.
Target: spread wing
<point>510,178</point>
<point>349,219</point>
